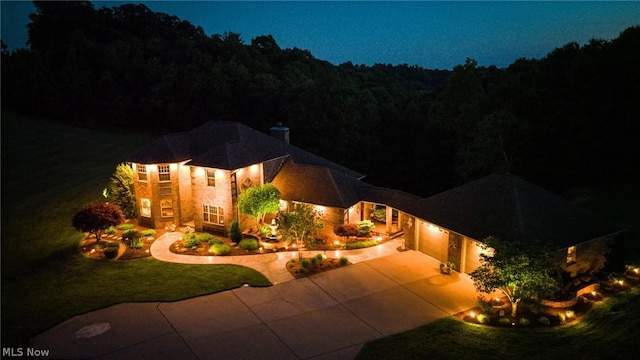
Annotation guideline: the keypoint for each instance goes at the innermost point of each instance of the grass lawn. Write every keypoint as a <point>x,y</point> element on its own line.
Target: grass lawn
<point>48,172</point>
<point>609,331</point>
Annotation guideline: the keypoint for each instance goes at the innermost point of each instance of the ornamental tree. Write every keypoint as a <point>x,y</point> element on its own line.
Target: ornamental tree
<point>96,217</point>
<point>300,221</point>
<point>259,200</point>
<point>520,271</point>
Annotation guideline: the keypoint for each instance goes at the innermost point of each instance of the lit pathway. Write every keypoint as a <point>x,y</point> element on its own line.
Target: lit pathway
<point>271,265</point>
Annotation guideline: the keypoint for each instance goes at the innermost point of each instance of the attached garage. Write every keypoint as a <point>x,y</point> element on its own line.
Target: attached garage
<point>433,241</point>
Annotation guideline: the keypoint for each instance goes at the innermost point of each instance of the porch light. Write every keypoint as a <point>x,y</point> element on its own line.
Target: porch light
<point>253,168</point>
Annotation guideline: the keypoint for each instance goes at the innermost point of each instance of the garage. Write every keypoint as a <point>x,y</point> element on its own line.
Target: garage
<point>433,241</point>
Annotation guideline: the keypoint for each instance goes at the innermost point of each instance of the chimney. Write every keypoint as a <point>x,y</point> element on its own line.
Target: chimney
<point>280,132</point>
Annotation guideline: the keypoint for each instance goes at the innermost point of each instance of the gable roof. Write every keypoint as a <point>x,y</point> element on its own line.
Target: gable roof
<point>507,207</point>
<point>226,145</point>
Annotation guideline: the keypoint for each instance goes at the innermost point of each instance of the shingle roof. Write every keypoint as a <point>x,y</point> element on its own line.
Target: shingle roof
<point>510,208</point>
<point>317,185</point>
<point>226,145</point>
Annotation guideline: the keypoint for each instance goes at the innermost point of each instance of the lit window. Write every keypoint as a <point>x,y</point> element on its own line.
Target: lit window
<point>211,178</point>
<point>142,172</point>
<point>571,255</point>
<point>163,173</point>
<point>145,207</point>
<point>212,214</point>
<point>165,191</point>
<point>166,207</point>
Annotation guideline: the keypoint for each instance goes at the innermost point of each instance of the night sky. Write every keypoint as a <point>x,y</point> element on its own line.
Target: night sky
<point>430,34</point>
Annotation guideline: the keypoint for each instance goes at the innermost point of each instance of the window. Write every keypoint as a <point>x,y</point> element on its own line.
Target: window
<point>571,255</point>
<point>166,207</point>
<point>165,191</point>
<point>211,178</point>
<point>142,172</point>
<point>213,214</point>
<point>163,173</point>
<point>145,207</point>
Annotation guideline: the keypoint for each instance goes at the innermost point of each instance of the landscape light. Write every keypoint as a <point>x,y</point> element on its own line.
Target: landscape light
<point>620,282</point>
<point>635,270</point>
<point>472,314</point>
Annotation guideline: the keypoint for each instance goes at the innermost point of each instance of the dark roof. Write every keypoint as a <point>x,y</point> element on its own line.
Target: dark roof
<point>317,185</point>
<point>510,208</point>
<point>226,145</point>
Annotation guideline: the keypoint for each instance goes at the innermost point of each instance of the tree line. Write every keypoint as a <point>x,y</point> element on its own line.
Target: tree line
<point>564,119</point>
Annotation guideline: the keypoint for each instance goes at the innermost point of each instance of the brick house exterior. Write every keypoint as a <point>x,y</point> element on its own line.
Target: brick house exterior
<point>194,179</point>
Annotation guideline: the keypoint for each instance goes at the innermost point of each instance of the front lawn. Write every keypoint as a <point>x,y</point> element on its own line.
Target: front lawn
<point>48,171</point>
<point>608,331</point>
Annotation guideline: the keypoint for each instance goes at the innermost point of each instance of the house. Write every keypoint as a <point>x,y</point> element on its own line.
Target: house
<point>194,178</point>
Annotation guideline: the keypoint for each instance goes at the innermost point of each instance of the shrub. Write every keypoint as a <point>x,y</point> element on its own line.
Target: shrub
<point>304,263</point>
<point>361,244</point>
<point>148,232</point>
<point>235,234</point>
<point>204,237</point>
<point>302,271</point>
<point>314,260</point>
<point>220,249</point>
<point>365,226</point>
<point>485,305</point>
<point>504,321</point>
<point>100,245</point>
<point>111,252</point>
<point>379,214</point>
<point>343,261</point>
<point>561,317</point>
<point>113,244</point>
<point>132,237</point>
<point>346,230</point>
<point>214,241</point>
<point>524,322</point>
<point>321,257</point>
<point>544,320</point>
<point>482,319</point>
<point>248,244</point>
<point>125,227</point>
<point>110,230</point>
<point>190,240</point>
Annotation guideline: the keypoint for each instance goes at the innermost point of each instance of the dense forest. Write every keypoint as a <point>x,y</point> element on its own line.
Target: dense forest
<point>566,119</point>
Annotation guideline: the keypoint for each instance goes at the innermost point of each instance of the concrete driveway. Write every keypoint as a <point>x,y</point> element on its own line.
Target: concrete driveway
<point>325,316</point>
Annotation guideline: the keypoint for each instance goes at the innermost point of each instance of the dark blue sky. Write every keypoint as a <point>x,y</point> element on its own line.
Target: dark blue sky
<point>430,34</point>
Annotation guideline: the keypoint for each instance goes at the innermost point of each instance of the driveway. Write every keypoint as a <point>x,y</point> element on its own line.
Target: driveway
<point>325,316</point>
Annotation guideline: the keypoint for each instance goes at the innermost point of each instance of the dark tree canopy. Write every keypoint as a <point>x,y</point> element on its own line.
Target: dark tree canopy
<point>565,118</point>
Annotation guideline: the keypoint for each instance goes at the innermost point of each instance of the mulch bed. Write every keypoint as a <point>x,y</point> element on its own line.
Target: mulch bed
<point>319,265</point>
<point>90,248</point>
<point>556,316</point>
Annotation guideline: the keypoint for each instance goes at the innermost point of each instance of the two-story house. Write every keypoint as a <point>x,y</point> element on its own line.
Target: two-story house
<point>194,178</point>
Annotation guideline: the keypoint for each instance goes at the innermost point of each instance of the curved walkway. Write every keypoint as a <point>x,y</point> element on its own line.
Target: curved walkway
<point>271,265</point>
